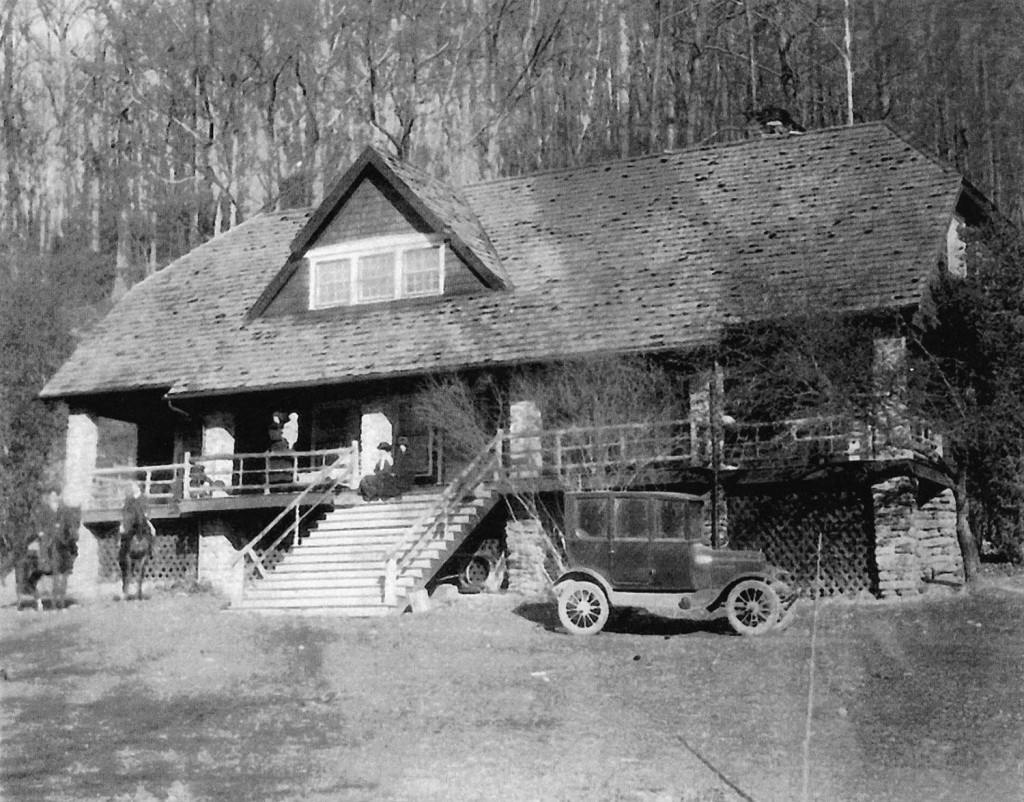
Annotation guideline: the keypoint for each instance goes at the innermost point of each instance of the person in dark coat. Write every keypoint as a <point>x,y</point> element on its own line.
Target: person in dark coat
<point>52,549</point>
<point>134,524</point>
<point>280,468</point>
<point>391,476</point>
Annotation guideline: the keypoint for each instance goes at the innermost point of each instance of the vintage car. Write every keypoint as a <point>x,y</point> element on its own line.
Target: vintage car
<point>646,550</point>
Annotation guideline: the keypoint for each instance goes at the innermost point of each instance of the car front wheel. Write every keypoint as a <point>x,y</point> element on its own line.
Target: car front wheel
<point>753,607</point>
<point>583,608</point>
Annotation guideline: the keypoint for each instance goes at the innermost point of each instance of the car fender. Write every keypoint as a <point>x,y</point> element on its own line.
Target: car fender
<point>582,575</point>
<point>767,578</point>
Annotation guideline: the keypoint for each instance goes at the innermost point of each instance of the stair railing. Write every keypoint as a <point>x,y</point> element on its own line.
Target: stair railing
<point>323,486</point>
<point>485,466</point>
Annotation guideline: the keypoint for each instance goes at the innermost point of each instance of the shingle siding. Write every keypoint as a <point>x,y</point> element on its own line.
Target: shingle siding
<point>372,210</point>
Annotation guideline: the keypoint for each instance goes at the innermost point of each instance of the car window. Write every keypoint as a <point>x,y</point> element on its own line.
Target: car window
<point>673,519</point>
<point>632,519</point>
<point>592,517</point>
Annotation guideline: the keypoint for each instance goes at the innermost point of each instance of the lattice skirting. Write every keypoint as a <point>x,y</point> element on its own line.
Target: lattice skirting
<point>270,560</point>
<point>175,558</point>
<point>786,527</point>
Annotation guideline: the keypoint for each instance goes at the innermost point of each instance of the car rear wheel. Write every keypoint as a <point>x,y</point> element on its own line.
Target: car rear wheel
<point>753,607</point>
<point>474,575</point>
<point>583,608</point>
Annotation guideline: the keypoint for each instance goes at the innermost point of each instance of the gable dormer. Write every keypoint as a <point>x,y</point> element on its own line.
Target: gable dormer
<point>386,233</point>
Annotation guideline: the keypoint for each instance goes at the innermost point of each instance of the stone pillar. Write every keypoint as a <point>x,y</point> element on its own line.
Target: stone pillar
<point>79,464</point>
<point>700,418</point>
<point>525,454</point>
<point>938,551</point>
<point>217,558</point>
<point>219,438</point>
<point>80,458</point>
<point>84,582</point>
<point>899,572</point>
<point>889,380</point>
<point>915,546</point>
<point>707,444</point>
<point>526,546</point>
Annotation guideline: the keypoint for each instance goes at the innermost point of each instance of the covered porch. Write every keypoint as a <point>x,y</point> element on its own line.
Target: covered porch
<point>641,454</point>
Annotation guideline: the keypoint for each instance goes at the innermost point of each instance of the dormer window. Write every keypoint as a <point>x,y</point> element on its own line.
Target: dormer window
<point>376,270</point>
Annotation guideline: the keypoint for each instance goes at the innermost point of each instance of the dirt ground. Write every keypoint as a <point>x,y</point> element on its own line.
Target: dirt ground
<point>484,698</point>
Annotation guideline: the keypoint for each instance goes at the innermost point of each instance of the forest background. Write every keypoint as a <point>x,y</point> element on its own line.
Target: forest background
<point>133,130</point>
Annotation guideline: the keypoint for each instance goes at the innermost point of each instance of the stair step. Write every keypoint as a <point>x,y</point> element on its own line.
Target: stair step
<point>337,529</point>
<point>274,584</point>
<point>329,566</point>
<point>358,514</point>
<point>317,539</point>
<point>339,566</point>
<point>315,554</point>
<point>342,557</point>
<point>364,593</point>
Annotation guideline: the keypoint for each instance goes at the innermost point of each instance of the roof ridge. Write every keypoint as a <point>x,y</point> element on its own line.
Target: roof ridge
<point>733,144</point>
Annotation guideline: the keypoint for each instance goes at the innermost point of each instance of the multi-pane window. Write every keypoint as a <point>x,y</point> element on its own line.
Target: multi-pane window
<point>334,282</point>
<point>376,270</point>
<point>375,278</point>
<point>420,273</point>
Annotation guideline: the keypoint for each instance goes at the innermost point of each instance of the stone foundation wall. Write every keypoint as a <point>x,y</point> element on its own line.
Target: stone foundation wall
<point>217,560</point>
<point>914,545</point>
<point>84,582</point>
<point>526,555</point>
<point>938,550</point>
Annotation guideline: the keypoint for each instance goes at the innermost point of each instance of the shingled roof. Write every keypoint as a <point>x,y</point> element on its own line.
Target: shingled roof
<point>652,253</point>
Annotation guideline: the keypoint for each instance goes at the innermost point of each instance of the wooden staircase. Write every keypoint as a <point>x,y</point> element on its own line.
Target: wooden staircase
<point>340,565</point>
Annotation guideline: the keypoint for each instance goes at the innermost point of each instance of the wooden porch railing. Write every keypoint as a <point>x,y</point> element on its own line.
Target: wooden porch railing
<point>266,472</point>
<point>322,486</point>
<point>212,475</point>
<point>615,454</point>
<point>799,440</point>
<point>159,484</point>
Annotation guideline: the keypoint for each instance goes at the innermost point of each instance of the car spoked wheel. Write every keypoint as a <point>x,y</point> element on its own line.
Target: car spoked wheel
<point>474,575</point>
<point>583,608</point>
<point>753,607</point>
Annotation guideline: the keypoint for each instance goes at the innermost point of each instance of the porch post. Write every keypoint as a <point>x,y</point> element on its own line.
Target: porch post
<point>219,438</point>
<point>889,384</point>
<point>79,465</point>
<point>524,453</point>
<point>707,441</point>
<point>80,458</point>
<point>218,563</point>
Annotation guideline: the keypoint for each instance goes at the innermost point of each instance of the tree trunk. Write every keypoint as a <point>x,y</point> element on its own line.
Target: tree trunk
<point>848,58</point>
<point>751,53</point>
<point>622,84</point>
<point>964,535</point>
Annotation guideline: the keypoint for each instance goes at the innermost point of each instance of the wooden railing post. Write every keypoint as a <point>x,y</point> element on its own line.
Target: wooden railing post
<point>391,581</point>
<point>186,476</point>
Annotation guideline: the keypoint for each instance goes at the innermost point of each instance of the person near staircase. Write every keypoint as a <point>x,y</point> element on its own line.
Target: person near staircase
<point>390,477</point>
